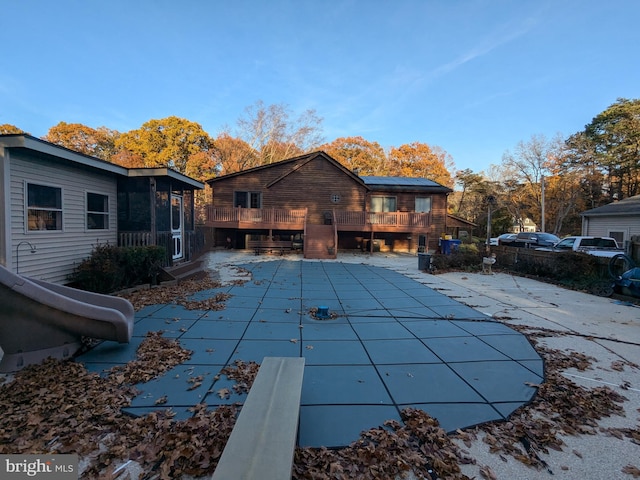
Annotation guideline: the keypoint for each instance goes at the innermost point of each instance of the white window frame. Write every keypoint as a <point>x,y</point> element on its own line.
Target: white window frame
<point>29,208</point>
<point>106,214</point>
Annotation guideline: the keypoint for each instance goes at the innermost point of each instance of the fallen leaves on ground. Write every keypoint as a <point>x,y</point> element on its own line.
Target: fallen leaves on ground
<point>419,446</point>
<point>632,470</point>
<point>560,407</point>
<point>244,373</point>
<point>180,293</point>
<point>60,407</point>
<point>155,355</point>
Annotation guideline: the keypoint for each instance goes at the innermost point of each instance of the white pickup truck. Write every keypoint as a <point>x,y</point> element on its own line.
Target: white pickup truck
<point>596,246</point>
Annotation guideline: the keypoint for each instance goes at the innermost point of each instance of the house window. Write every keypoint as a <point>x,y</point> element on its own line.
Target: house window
<point>423,204</point>
<point>335,198</point>
<point>383,204</point>
<point>618,237</point>
<point>247,199</point>
<point>97,211</point>
<point>44,207</point>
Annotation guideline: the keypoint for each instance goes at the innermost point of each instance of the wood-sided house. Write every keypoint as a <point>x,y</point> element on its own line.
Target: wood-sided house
<point>316,198</point>
<point>58,204</point>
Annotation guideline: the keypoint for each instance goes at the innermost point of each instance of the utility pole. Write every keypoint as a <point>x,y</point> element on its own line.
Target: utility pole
<point>543,228</point>
<point>490,201</point>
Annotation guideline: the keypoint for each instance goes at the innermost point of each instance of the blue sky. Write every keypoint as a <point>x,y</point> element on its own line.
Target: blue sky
<point>474,77</point>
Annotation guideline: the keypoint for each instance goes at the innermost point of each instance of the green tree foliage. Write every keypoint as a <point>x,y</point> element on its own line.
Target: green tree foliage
<point>358,155</point>
<point>97,142</point>
<point>7,128</point>
<point>615,137</point>
<point>581,158</point>
<point>470,183</point>
<point>168,142</point>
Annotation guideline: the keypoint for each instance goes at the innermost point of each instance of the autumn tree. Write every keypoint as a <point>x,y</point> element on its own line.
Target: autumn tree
<point>270,131</point>
<point>7,128</point>
<point>234,154</point>
<point>96,142</point>
<point>168,142</point>
<point>537,164</point>
<point>420,160</point>
<point>357,154</point>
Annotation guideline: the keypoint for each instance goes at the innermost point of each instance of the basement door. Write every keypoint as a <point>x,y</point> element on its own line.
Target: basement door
<point>177,221</point>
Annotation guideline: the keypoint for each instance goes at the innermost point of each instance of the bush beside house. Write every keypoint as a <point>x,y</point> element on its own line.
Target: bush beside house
<point>111,268</point>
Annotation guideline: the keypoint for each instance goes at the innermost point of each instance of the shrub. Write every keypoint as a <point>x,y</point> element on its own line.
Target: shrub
<point>111,268</point>
<point>465,257</point>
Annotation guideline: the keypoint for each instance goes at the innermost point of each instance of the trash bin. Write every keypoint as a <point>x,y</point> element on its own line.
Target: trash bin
<point>424,261</point>
<point>448,246</point>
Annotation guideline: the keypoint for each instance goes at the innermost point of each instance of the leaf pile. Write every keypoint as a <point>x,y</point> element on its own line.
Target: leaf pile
<point>243,373</point>
<point>179,294</point>
<point>60,407</point>
<point>419,446</point>
<point>169,448</point>
<point>155,355</point>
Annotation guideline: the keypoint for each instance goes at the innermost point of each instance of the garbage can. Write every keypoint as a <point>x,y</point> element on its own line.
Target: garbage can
<point>455,244</point>
<point>445,247</point>
<point>424,261</point>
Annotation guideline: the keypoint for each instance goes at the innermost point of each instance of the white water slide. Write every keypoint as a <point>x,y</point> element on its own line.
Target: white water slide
<point>40,320</point>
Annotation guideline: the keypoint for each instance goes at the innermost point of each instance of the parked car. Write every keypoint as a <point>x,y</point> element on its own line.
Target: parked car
<point>506,239</point>
<point>535,239</point>
<point>597,246</point>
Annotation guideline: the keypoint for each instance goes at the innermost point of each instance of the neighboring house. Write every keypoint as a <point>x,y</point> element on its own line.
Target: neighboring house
<point>526,225</point>
<point>620,220</point>
<point>60,204</point>
<point>459,227</point>
<point>314,196</point>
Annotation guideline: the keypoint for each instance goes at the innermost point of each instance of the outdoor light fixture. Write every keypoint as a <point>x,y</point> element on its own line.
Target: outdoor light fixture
<point>323,312</point>
<point>33,250</point>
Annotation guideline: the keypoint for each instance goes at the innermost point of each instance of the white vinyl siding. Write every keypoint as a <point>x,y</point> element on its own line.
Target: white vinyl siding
<point>57,251</point>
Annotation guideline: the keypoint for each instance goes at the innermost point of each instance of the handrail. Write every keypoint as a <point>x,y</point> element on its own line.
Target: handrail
<point>255,215</point>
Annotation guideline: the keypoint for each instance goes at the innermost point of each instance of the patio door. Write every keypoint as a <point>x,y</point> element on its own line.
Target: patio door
<point>177,219</point>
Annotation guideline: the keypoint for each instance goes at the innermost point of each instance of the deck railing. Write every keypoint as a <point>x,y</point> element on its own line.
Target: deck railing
<point>193,243</point>
<point>273,216</point>
<point>256,215</point>
<point>399,219</point>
